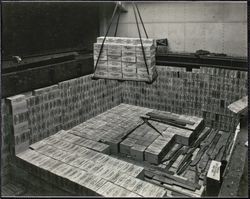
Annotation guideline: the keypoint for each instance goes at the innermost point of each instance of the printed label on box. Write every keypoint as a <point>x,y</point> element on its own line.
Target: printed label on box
<point>114,69</point>
<point>128,48</point>
<point>115,63</point>
<point>129,76</point>
<point>128,70</point>
<point>114,47</point>
<point>128,58</point>
<point>114,58</point>
<point>115,75</point>
<point>129,53</point>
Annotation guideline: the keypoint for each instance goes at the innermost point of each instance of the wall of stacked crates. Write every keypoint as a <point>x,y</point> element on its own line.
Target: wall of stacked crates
<point>204,92</point>
<point>5,145</point>
<point>43,112</point>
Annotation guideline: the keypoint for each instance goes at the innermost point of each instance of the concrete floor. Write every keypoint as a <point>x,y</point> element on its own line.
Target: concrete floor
<point>243,188</point>
<point>235,182</point>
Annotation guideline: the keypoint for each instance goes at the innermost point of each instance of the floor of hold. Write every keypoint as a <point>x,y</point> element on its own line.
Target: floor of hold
<point>13,189</point>
<point>235,181</point>
<point>116,154</point>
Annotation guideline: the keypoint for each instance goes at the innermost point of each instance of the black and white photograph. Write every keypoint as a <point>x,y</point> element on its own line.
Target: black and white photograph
<point>124,99</point>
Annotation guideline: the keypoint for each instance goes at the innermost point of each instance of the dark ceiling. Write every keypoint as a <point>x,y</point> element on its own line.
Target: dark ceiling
<point>30,28</point>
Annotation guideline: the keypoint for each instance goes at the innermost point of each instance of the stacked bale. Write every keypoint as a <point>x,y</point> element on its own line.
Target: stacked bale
<point>122,58</point>
<point>204,92</point>
<point>5,145</point>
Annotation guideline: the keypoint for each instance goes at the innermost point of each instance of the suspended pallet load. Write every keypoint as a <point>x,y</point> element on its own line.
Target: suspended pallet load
<point>124,58</point>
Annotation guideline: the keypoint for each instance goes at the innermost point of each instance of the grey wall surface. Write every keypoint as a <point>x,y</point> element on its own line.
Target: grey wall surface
<point>219,27</point>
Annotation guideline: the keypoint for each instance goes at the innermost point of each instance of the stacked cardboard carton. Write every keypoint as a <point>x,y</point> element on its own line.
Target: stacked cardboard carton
<point>154,153</point>
<point>80,169</point>
<point>122,58</point>
<point>204,92</point>
<point>142,188</point>
<point>96,146</point>
<point>20,128</point>
<point>83,99</point>
<point>5,144</point>
<point>111,126</point>
<point>144,143</point>
<point>44,112</point>
<point>118,129</point>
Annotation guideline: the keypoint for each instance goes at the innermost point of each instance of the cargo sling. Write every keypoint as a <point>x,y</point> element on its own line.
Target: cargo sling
<point>135,7</point>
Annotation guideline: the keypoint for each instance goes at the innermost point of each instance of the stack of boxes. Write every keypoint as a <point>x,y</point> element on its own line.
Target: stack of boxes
<point>44,112</point>
<point>200,92</point>
<point>19,137</point>
<point>122,58</point>
<point>111,126</point>
<point>83,99</point>
<point>5,145</point>
<point>144,143</point>
<point>77,169</point>
<point>87,143</point>
<point>204,92</point>
<point>155,151</point>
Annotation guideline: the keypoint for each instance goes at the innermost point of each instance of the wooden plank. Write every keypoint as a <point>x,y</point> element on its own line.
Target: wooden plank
<point>172,182</point>
<point>213,145</point>
<point>178,195</point>
<point>171,153</point>
<point>203,136</point>
<point>191,175</point>
<point>173,159</point>
<point>222,141</point>
<point>170,118</point>
<point>199,155</point>
<point>204,146</point>
<point>189,151</point>
<point>203,163</point>
<point>183,167</point>
<point>150,172</point>
<point>169,122</point>
<point>159,169</point>
<point>220,153</point>
<point>177,189</point>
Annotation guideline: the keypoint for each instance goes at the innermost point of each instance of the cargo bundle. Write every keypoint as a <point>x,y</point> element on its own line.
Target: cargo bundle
<point>122,58</point>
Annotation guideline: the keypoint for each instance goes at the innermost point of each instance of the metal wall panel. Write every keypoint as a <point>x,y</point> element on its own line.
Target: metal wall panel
<point>219,27</point>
